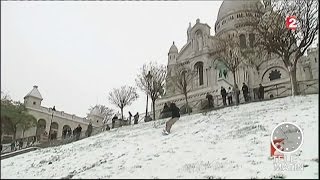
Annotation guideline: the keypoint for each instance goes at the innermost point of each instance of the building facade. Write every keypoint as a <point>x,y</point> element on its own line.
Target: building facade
<point>59,120</point>
<point>198,54</point>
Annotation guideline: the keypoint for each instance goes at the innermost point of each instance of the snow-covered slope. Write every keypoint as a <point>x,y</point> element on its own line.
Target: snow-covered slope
<point>233,142</point>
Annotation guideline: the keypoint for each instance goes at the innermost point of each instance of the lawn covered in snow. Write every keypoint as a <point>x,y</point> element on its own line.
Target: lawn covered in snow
<point>233,142</point>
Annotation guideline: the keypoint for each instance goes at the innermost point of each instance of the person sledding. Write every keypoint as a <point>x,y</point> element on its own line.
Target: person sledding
<point>175,115</point>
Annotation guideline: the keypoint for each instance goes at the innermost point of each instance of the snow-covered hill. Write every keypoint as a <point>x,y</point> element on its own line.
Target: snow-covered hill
<point>233,142</point>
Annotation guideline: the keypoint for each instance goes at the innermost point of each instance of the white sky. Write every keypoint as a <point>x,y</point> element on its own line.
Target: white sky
<point>76,52</point>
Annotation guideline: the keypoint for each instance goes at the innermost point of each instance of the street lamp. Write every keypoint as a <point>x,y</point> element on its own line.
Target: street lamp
<point>149,76</point>
<point>53,109</point>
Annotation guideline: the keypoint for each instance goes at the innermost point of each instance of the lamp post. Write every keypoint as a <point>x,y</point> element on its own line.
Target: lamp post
<point>53,109</point>
<point>149,76</point>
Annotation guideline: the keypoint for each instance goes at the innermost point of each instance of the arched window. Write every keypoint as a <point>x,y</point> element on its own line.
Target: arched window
<point>251,39</point>
<point>199,67</point>
<point>41,127</point>
<point>275,74</point>
<point>242,41</point>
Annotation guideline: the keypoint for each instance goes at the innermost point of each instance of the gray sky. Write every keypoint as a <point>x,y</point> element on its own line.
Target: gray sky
<point>76,52</point>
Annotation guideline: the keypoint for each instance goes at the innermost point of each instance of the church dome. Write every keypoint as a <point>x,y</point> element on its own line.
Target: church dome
<point>228,7</point>
<point>233,14</point>
<point>173,49</point>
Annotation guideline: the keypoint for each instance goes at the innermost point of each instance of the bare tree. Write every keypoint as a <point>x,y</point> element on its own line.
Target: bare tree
<point>183,79</point>
<point>123,97</point>
<point>151,80</point>
<point>106,112</point>
<point>289,45</point>
<point>230,52</point>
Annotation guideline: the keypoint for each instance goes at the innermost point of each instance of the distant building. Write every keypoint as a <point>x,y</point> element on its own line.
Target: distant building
<point>60,120</point>
<point>198,54</point>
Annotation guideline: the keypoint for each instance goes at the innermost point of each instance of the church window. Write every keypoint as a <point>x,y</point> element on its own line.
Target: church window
<point>242,41</point>
<point>315,60</point>
<point>34,103</point>
<point>251,39</point>
<point>199,68</point>
<point>275,74</point>
<point>239,15</point>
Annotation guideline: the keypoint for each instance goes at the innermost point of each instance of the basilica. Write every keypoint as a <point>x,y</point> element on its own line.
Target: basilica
<point>198,55</point>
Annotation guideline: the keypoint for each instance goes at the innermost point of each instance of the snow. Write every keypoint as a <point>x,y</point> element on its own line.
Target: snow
<point>232,142</point>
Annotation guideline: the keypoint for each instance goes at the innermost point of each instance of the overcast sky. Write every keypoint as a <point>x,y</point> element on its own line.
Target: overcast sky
<point>76,52</point>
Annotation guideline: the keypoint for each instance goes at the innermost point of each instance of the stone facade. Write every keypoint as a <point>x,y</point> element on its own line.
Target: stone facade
<point>198,54</point>
<point>59,119</point>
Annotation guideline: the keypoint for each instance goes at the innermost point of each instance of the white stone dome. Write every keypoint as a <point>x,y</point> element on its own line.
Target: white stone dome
<point>228,7</point>
<point>173,49</point>
<point>233,14</point>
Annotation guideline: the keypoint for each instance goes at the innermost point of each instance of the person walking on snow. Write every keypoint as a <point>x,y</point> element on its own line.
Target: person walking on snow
<point>89,130</point>
<point>174,118</point>
<point>136,118</point>
<point>223,93</point>
<point>78,132</point>
<point>210,100</point>
<point>229,94</point>
<point>245,91</point>
<point>130,116</point>
<point>261,92</point>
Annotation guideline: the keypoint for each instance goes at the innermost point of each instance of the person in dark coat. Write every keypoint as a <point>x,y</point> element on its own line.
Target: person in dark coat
<point>13,145</point>
<point>108,127</point>
<point>64,133</point>
<point>223,93</point>
<point>69,132</point>
<point>89,129</point>
<point>261,92</point>
<point>210,100</point>
<point>114,120</point>
<point>166,111</point>
<point>175,115</point>
<point>165,108</point>
<point>136,118</point>
<point>20,144</point>
<point>245,91</point>
<point>130,117</point>
<point>78,132</point>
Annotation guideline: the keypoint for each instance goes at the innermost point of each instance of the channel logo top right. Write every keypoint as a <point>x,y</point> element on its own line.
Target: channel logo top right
<point>291,23</point>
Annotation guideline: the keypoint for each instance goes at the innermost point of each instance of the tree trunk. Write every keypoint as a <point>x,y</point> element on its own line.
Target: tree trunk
<point>121,113</point>
<point>23,133</point>
<point>293,80</point>
<point>154,110</point>
<point>14,133</point>
<point>187,106</point>
<point>147,106</point>
<point>234,78</point>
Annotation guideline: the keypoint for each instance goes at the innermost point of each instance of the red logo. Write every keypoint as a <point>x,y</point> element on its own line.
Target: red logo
<point>291,22</point>
<point>278,143</point>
